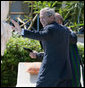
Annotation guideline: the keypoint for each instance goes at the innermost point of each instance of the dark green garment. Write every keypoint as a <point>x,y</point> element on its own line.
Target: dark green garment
<point>75,65</point>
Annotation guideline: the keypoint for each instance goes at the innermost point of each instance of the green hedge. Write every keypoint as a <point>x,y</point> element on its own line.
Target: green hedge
<point>81,51</point>
<point>15,53</point>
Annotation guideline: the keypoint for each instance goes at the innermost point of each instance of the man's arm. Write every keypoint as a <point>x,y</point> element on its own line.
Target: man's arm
<point>40,55</point>
<point>37,55</point>
<point>41,35</point>
<point>73,38</point>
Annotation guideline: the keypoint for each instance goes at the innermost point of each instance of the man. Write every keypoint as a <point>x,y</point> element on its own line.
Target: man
<point>74,56</point>
<point>55,70</point>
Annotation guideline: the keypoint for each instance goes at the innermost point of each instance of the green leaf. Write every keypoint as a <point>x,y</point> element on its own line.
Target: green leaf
<point>54,3</point>
<point>76,25</point>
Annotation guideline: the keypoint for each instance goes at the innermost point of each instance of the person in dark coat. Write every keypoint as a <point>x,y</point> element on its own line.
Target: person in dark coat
<point>55,70</point>
<point>73,52</point>
<point>75,59</point>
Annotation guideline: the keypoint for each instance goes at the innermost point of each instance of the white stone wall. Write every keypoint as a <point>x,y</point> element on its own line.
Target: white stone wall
<point>6,30</point>
<point>80,38</point>
<point>25,79</point>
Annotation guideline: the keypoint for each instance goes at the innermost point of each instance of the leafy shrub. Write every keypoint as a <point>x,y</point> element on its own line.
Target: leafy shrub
<point>14,54</point>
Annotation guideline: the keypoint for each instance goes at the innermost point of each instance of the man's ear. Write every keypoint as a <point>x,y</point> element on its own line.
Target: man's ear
<point>59,21</point>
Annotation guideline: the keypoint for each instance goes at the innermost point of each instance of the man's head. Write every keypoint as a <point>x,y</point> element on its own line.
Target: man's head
<point>58,18</point>
<point>47,16</point>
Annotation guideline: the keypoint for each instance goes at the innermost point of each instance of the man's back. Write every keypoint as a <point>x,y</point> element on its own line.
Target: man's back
<point>55,65</point>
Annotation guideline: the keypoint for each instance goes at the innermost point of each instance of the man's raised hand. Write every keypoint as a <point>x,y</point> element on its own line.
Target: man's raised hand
<point>33,54</point>
<point>17,27</point>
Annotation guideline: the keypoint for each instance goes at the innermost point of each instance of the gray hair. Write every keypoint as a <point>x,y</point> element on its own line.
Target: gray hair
<point>48,11</point>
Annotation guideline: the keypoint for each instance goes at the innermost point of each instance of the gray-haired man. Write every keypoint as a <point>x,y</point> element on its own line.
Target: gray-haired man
<point>55,70</point>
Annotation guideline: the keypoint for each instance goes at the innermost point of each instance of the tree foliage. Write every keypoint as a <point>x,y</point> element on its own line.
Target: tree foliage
<point>72,11</point>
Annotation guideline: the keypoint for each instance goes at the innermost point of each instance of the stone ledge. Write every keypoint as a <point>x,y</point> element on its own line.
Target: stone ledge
<point>24,78</point>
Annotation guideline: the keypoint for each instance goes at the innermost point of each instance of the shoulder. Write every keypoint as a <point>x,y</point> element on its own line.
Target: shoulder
<point>51,26</point>
<point>66,29</point>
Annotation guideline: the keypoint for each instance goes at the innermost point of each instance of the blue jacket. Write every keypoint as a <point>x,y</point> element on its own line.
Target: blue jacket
<point>55,65</point>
